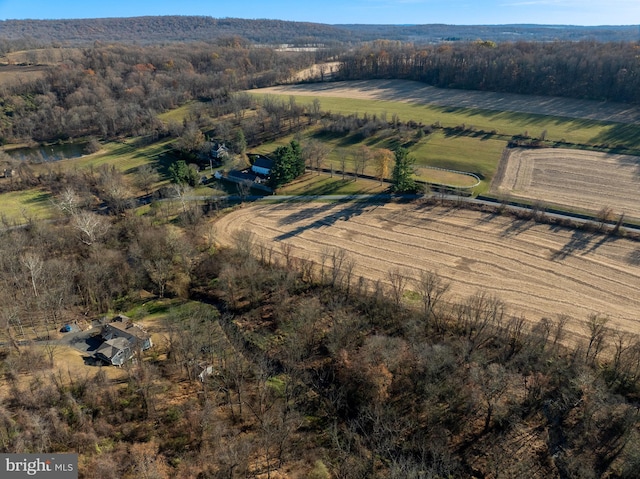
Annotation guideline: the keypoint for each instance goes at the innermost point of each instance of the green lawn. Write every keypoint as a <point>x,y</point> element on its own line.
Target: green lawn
<point>20,206</point>
<point>473,155</point>
<point>177,114</point>
<point>127,156</point>
<point>462,153</point>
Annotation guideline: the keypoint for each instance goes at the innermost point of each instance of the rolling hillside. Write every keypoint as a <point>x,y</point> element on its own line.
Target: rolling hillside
<point>162,29</point>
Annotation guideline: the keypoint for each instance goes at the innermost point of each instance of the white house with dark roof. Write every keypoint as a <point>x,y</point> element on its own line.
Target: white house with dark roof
<point>219,151</point>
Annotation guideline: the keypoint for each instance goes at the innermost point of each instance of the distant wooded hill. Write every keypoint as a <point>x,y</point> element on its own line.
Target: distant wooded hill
<point>162,29</point>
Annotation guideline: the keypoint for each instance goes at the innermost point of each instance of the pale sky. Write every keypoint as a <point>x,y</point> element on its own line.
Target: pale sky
<point>456,12</point>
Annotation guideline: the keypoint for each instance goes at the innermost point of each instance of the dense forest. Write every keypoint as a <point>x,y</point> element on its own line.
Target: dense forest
<point>145,30</point>
<point>118,90</point>
<point>589,70</point>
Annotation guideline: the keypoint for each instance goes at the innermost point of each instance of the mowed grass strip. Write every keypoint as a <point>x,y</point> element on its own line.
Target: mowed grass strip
<point>126,156</point>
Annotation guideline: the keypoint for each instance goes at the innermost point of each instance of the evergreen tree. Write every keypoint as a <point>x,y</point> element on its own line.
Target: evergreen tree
<point>240,142</point>
<point>401,176</point>
<point>182,173</point>
<point>288,164</point>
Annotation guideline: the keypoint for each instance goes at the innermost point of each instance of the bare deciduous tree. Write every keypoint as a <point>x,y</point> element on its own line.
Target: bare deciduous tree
<point>431,287</point>
<point>398,280</point>
<point>34,264</point>
<point>146,177</point>
<point>598,331</point>
<point>91,226</point>
<point>492,382</point>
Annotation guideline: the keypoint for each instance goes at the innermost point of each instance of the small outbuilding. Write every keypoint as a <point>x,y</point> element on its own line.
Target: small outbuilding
<point>262,166</point>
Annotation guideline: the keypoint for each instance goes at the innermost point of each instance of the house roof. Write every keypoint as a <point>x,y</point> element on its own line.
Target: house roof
<point>110,348</point>
<point>129,329</point>
<point>263,162</point>
<point>242,175</point>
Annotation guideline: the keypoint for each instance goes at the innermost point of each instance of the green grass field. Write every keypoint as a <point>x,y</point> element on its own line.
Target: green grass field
<point>20,206</point>
<point>127,156</point>
<point>445,148</point>
<point>177,114</point>
<point>462,153</point>
<point>474,155</point>
<point>477,153</point>
<point>506,123</point>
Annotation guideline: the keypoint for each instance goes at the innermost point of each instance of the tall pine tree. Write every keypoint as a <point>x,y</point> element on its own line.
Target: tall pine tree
<point>402,174</point>
<point>288,164</point>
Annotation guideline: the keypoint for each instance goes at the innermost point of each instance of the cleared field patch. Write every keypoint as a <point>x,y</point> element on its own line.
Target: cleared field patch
<point>20,206</point>
<point>16,74</point>
<point>580,180</point>
<point>537,270</point>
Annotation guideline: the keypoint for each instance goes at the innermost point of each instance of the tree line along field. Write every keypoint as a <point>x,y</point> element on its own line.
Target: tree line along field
<point>539,271</point>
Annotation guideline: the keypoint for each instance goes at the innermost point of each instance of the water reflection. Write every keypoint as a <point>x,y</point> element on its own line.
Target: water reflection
<point>42,154</point>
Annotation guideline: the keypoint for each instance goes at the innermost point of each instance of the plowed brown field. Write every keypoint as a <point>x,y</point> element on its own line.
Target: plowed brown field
<point>538,270</point>
<point>580,180</point>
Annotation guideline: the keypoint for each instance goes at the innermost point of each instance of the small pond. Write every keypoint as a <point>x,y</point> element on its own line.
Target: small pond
<point>41,154</point>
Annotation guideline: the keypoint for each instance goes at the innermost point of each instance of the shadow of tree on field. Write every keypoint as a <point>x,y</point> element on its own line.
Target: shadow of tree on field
<point>304,213</point>
<point>604,240</point>
<point>620,135</point>
<point>345,213</point>
<point>631,161</point>
<point>517,227</point>
<point>579,241</point>
<point>634,257</point>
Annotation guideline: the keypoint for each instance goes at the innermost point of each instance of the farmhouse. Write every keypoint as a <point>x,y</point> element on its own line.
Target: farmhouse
<point>262,166</point>
<point>219,151</point>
